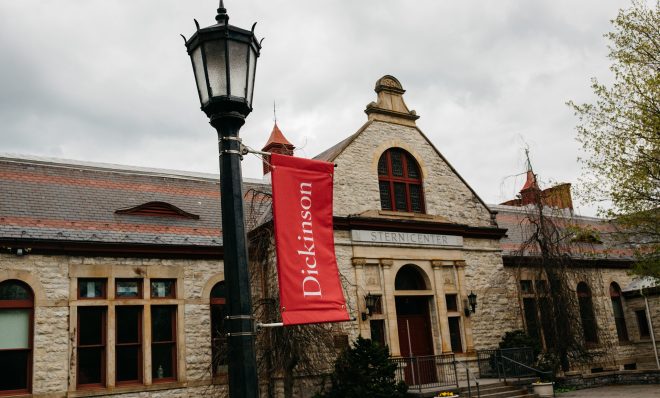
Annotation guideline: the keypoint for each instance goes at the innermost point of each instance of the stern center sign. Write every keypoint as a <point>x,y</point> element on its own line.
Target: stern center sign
<point>406,238</point>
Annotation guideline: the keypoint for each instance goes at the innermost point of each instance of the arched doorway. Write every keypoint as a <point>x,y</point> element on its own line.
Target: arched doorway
<point>414,324</point>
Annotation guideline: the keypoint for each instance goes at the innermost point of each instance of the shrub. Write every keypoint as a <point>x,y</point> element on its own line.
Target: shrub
<point>519,339</point>
<point>365,370</point>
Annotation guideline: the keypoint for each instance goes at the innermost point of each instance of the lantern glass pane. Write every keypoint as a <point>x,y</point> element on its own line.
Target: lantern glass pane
<point>250,88</point>
<point>216,67</point>
<point>198,65</point>
<point>238,64</point>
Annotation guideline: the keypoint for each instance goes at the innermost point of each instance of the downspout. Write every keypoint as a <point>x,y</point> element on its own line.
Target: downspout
<point>650,324</point>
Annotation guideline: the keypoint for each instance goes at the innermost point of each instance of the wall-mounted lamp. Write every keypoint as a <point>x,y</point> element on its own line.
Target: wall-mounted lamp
<point>370,302</point>
<point>471,305</point>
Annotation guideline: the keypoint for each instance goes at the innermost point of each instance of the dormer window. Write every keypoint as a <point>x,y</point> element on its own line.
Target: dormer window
<point>400,182</point>
<point>159,209</point>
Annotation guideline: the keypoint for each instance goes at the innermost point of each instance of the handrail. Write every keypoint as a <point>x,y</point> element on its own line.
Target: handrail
<point>538,371</point>
<point>467,372</point>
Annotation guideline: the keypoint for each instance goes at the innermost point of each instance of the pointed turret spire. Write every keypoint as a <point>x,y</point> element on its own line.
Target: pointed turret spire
<point>277,143</point>
<point>530,192</point>
<point>530,183</point>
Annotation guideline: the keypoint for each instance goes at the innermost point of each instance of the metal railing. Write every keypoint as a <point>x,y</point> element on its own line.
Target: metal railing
<point>429,371</point>
<point>469,376</point>
<point>491,364</point>
<point>513,369</point>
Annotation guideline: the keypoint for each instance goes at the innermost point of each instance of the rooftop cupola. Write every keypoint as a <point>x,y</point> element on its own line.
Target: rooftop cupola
<point>389,106</point>
<point>276,143</point>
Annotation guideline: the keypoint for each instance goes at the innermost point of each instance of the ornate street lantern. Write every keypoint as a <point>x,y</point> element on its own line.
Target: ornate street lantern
<point>224,60</point>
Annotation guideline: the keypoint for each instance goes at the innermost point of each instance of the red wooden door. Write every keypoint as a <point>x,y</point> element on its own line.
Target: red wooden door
<point>415,339</point>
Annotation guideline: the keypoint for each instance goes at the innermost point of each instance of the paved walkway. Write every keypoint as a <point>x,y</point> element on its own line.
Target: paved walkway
<point>637,391</point>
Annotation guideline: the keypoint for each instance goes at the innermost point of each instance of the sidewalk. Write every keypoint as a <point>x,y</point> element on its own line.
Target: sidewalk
<point>637,391</point>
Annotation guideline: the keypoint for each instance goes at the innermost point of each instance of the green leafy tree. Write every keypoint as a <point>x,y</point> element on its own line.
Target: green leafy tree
<point>620,133</point>
<point>365,370</point>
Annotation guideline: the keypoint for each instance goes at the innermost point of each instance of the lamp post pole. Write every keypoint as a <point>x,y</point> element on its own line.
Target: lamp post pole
<point>224,60</point>
<point>242,361</point>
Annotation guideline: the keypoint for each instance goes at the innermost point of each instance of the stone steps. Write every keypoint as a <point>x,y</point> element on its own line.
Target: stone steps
<point>497,390</point>
<point>494,390</point>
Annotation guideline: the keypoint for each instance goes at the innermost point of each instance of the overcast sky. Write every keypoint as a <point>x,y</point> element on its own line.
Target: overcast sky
<point>110,81</point>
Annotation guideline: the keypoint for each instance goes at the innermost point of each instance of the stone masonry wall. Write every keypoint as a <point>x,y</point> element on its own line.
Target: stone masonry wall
<point>497,297</point>
<point>356,177</point>
<point>49,278</point>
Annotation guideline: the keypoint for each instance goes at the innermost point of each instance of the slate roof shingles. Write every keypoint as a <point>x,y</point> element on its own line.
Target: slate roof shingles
<point>57,200</point>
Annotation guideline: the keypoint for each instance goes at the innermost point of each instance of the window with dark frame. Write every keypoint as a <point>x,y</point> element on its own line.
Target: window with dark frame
<point>617,308</point>
<point>455,333</point>
<point>128,288</point>
<point>452,302</point>
<point>219,348</point>
<point>16,318</point>
<point>91,346</point>
<point>163,343</point>
<point>589,328</point>
<point>400,182</point>
<point>643,324</point>
<point>378,305</point>
<point>128,344</point>
<point>377,331</point>
<point>531,320</point>
<point>526,287</point>
<point>91,288</point>
<point>163,288</point>
<point>92,355</point>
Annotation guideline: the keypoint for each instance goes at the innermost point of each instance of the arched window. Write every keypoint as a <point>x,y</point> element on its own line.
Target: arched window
<point>16,314</point>
<point>218,332</point>
<point>587,313</point>
<point>400,182</point>
<point>409,278</point>
<point>617,307</point>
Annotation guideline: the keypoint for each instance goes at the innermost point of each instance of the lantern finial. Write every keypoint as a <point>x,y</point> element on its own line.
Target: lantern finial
<point>222,16</point>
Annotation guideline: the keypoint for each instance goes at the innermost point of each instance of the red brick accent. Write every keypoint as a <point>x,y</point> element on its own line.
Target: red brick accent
<point>102,226</point>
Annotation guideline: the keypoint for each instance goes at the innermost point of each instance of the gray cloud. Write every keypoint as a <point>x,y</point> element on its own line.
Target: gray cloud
<point>110,81</point>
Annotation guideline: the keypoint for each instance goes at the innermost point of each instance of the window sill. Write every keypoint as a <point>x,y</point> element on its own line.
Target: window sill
<point>404,214</point>
<point>123,389</point>
<point>14,393</point>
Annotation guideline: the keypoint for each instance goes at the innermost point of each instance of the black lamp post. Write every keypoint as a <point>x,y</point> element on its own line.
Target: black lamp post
<point>224,60</point>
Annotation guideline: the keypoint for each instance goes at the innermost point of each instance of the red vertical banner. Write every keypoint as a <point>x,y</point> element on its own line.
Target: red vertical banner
<point>310,289</point>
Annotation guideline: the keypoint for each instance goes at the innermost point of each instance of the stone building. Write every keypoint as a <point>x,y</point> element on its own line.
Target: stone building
<point>111,277</point>
<point>612,323</point>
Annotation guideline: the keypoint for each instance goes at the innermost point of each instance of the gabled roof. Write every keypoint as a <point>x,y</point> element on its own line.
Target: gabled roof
<point>390,108</point>
<point>53,200</point>
<point>330,154</point>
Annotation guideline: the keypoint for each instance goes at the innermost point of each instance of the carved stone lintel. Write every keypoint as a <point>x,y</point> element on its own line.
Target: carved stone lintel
<point>460,263</point>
